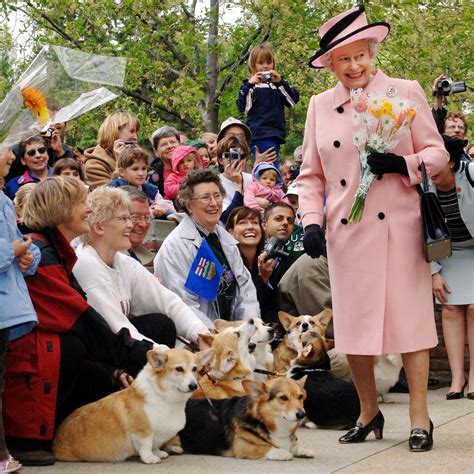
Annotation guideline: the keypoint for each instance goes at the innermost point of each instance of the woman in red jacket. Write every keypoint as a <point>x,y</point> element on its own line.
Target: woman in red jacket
<point>70,358</point>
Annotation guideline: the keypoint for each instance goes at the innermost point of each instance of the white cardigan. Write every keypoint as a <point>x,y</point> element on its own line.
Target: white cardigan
<point>127,289</point>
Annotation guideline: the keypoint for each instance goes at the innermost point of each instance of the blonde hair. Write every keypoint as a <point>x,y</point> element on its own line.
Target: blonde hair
<point>111,127</point>
<point>104,202</point>
<point>21,198</point>
<point>208,136</point>
<point>51,202</point>
<point>262,51</point>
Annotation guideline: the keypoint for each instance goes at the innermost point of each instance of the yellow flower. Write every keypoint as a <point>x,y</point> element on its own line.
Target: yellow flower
<point>384,108</point>
<point>36,102</point>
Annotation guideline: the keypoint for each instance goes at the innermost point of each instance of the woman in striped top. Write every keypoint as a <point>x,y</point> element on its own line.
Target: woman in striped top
<point>453,279</point>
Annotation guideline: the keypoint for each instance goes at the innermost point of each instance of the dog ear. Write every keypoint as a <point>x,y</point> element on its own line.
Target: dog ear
<point>302,380</point>
<point>253,388</point>
<point>157,359</point>
<point>229,362</point>
<point>207,338</point>
<point>325,317</point>
<point>203,357</point>
<point>285,319</point>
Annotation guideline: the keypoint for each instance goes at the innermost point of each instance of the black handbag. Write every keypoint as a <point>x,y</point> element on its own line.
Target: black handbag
<point>436,234</point>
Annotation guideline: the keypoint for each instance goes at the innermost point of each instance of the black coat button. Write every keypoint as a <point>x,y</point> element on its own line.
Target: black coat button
<point>381,216</point>
<point>344,221</point>
<point>343,182</point>
<point>337,143</point>
<point>340,109</point>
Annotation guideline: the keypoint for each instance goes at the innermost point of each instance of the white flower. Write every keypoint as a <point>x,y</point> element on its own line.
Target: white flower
<point>386,122</point>
<point>399,105</point>
<point>368,121</point>
<point>355,94</point>
<point>358,138</point>
<point>363,159</point>
<point>375,100</point>
<point>376,142</point>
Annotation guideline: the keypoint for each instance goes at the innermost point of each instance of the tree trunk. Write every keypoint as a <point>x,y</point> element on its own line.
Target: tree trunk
<point>212,108</point>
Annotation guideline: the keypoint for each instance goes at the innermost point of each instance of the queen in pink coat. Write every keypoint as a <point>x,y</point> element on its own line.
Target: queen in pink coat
<point>381,285</point>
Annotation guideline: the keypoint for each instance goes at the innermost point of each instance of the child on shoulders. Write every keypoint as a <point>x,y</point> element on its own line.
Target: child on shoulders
<point>184,159</point>
<point>132,167</point>
<point>266,187</point>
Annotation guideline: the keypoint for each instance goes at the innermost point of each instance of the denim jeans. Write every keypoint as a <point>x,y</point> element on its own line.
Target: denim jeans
<point>264,145</point>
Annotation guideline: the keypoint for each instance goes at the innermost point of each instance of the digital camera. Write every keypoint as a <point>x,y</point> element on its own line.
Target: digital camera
<point>266,77</point>
<point>295,171</point>
<point>274,248</point>
<point>233,154</point>
<point>47,133</point>
<point>447,86</point>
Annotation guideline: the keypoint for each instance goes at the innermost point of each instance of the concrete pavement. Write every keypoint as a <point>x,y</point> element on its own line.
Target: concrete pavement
<point>453,449</point>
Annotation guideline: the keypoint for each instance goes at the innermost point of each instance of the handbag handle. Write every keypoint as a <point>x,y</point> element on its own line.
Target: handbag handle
<point>424,177</point>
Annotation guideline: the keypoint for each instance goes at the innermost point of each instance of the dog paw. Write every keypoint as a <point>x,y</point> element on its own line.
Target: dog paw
<point>310,425</point>
<point>173,449</point>
<point>276,454</point>
<point>299,452</point>
<point>161,454</point>
<point>150,458</point>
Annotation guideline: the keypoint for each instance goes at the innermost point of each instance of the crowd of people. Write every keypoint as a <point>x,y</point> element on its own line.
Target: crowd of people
<point>84,299</point>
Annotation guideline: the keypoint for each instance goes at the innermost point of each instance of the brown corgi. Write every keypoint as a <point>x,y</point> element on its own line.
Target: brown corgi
<point>259,426</point>
<point>223,375</point>
<point>137,420</point>
<point>295,325</point>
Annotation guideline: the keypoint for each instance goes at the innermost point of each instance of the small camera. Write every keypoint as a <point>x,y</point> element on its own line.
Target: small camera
<point>129,144</point>
<point>266,77</point>
<point>447,86</point>
<point>274,248</point>
<point>233,154</point>
<point>295,171</point>
<point>47,133</point>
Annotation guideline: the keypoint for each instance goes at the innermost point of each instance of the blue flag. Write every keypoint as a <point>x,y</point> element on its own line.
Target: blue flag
<point>205,274</point>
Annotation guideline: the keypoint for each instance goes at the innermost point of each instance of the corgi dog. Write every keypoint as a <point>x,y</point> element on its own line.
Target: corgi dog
<point>295,325</point>
<point>244,330</point>
<point>138,420</point>
<point>261,425</point>
<point>386,370</point>
<point>223,375</point>
<point>254,347</point>
<point>331,402</point>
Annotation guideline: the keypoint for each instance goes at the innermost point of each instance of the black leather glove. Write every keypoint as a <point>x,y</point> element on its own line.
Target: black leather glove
<point>381,163</point>
<point>314,242</point>
<point>455,147</point>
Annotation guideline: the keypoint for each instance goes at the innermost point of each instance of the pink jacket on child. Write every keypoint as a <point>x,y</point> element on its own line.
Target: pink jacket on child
<point>260,190</point>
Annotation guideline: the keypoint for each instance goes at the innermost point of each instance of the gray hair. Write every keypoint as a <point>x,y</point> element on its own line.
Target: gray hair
<point>163,132</point>
<point>326,58</point>
<point>135,194</point>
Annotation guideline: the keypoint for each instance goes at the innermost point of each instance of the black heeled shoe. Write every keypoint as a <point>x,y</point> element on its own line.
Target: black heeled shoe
<point>359,432</point>
<point>420,439</point>
<point>470,395</point>
<point>457,395</point>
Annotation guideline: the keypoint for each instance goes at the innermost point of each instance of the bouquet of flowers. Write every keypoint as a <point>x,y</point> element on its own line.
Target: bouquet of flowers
<point>378,125</point>
<point>59,85</point>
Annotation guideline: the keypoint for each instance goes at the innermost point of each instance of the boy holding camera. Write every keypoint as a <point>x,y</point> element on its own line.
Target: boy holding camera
<point>263,97</point>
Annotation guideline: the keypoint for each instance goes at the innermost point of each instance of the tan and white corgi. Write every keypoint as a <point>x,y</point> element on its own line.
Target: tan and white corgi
<point>137,420</point>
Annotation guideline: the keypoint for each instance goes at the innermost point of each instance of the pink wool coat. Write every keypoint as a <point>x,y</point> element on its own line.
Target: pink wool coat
<point>381,284</point>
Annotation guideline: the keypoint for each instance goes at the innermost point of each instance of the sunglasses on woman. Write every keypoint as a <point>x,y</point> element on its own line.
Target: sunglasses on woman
<point>40,151</point>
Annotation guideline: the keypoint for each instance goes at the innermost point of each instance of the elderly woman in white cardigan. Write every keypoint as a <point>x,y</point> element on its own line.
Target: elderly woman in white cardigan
<point>120,288</point>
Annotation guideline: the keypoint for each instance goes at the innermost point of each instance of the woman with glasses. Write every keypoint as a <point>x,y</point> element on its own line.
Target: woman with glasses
<point>200,253</point>
<point>120,288</point>
<point>34,155</point>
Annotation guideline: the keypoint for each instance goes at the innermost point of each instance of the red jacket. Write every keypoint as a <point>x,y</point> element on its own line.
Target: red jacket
<point>32,364</point>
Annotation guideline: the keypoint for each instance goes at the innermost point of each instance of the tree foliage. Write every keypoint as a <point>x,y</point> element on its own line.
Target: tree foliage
<point>185,64</point>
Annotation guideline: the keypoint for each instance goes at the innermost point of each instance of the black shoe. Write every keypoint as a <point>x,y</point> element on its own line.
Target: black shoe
<point>359,432</point>
<point>456,395</point>
<point>420,439</point>
<point>400,387</point>
<point>470,395</point>
<point>38,457</point>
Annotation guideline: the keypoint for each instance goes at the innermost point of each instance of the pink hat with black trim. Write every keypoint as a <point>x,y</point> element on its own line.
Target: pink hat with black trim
<point>345,28</point>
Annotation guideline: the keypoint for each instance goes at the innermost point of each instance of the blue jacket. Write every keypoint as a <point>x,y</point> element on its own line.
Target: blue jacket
<point>16,308</point>
<point>149,189</point>
<point>264,106</point>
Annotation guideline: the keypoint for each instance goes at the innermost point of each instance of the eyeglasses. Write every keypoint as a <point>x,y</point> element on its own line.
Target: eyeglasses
<point>208,198</point>
<point>141,217</point>
<point>40,151</point>
<point>124,219</point>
